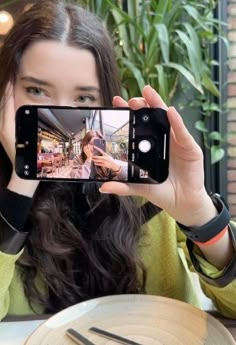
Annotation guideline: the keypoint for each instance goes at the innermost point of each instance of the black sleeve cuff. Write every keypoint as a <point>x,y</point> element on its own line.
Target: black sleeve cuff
<point>11,240</point>
<point>15,208</point>
<point>229,272</point>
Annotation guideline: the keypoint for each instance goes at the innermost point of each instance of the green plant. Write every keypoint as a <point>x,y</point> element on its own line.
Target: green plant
<point>166,44</point>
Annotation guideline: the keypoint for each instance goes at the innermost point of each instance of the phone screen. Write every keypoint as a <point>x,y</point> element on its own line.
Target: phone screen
<point>101,144</point>
<point>91,144</point>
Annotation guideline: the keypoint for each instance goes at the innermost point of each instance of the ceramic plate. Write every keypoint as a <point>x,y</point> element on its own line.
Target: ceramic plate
<point>148,320</point>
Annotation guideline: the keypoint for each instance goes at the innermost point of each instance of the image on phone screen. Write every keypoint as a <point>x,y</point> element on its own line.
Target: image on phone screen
<point>101,144</point>
<point>91,144</point>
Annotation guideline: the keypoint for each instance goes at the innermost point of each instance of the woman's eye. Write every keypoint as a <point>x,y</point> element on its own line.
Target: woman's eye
<point>36,91</point>
<point>86,99</point>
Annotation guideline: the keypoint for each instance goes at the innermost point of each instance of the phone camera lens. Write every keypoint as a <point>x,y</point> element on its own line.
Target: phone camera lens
<point>27,112</point>
<point>145,118</point>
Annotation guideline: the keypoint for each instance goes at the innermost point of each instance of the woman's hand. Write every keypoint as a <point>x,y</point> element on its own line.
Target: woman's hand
<point>7,123</point>
<point>7,139</point>
<point>183,194</point>
<point>88,152</point>
<point>104,160</point>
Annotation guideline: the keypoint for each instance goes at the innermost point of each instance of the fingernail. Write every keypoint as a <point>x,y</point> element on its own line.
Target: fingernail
<point>101,191</point>
<point>116,97</point>
<point>148,86</point>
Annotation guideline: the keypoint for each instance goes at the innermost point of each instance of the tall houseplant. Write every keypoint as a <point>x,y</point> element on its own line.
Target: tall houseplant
<point>167,44</point>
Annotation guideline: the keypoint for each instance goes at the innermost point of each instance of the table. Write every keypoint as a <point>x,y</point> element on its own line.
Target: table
<point>22,329</point>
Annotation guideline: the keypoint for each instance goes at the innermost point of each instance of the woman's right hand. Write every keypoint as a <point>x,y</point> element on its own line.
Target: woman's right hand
<point>7,139</point>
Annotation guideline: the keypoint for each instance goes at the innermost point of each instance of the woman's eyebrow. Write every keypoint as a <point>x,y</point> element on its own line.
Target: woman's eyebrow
<point>36,81</point>
<point>87,88</point>
<point>45,83</point>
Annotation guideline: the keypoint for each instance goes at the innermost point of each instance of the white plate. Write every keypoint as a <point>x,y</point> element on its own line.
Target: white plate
<point>149,320</point>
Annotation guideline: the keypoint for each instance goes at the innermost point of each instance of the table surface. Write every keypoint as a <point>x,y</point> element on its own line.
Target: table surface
<point>23,329</point>
<point>20,329</point>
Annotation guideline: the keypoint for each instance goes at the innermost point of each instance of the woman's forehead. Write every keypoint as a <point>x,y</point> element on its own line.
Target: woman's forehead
<point>54,62</point>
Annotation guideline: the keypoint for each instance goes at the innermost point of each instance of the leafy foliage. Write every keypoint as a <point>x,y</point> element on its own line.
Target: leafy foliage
<point>167,44</point>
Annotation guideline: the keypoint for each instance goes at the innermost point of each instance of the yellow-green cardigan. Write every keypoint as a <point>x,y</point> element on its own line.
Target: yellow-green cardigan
<point>168,265</point>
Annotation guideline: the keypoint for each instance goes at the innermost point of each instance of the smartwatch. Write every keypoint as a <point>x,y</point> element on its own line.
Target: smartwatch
<point>212,228</point>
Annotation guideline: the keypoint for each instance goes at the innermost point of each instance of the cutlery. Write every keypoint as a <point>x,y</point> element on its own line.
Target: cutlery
<point>113,336</point>
<point>77,337</point>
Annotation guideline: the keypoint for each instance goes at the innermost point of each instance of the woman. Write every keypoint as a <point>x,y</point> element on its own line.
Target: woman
<point>94,163</point>
<point>63,243</point>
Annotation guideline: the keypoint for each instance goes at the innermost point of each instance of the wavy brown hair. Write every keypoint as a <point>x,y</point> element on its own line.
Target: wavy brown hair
<point>83,244</point>
<point>99,172</point>
<point>86,140</point>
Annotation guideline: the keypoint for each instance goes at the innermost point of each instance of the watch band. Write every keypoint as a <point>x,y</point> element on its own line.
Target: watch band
<point>229,272</point>
<point>209,230</point>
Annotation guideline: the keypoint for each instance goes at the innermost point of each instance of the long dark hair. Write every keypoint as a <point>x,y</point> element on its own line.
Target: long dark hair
<point>83,244</point>
<point>99,172</point>
<point>86,140</point>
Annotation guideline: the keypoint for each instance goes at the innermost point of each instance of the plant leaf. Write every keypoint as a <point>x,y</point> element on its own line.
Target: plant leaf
<point>195,42</point>
<point>120,19</point>
<point>210,86</point>
<point>193,12</point>
<point>162,83</point>
<point>196,65</point>
<point>216,136</point>
<point>160,8</point>
<point>217,153</point>
<point>164,41</point>
<point>136,74</point>
<point>200,126</point>
<point>182,70</point>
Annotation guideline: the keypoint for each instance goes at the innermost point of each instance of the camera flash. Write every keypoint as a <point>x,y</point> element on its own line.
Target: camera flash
<point>27,111</point>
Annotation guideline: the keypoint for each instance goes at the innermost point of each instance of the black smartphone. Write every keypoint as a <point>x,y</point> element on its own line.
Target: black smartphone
<point>52,144</point>
<point>101,144</point>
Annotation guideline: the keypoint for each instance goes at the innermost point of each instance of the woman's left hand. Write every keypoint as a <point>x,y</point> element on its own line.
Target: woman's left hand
<point>183,194</point>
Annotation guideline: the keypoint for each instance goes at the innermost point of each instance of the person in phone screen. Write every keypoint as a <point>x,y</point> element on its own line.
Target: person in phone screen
<point>62,243</point>
<point>94,163</point>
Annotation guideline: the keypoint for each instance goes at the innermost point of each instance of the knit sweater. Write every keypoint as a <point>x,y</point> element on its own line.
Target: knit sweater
<point>165,256</point>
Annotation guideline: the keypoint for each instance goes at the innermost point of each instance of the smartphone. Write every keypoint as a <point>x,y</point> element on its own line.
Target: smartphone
<point>51,141</point>
<point>101,144</point>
